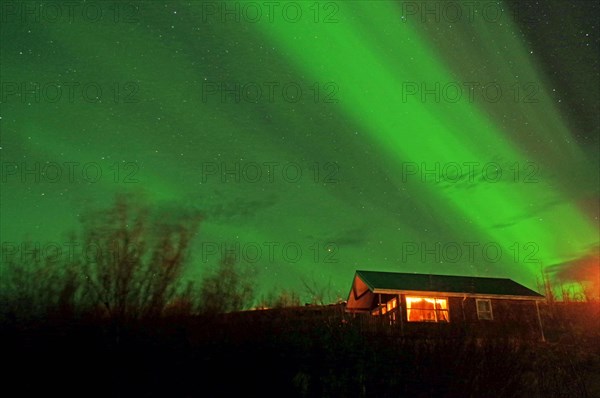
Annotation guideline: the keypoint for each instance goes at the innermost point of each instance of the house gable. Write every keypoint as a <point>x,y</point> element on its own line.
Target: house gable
<point>361,296</point>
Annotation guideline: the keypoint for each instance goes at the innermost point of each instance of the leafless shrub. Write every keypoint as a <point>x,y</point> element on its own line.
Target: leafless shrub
<point>318,294</point>
<point>137,271</point>
<point>280,299</point>
<point>38,287</point>
<point>130,269</point>
<point>227,288</point>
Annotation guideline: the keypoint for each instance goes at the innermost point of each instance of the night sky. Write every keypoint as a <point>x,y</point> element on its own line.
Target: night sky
<point>344,155</point>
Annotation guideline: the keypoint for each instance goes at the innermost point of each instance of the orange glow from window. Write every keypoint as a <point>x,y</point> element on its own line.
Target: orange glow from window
<point>384,308</point>
<point>393,303</point>
<point>427,309</point>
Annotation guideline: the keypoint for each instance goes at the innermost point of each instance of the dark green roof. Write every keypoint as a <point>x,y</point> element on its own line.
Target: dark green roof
<point>444,284</point>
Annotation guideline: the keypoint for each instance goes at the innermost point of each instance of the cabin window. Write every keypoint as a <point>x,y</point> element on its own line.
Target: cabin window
<point>484,309</point>
<point>427,309</point>
<point>385,308</point>
<point>392,304</point>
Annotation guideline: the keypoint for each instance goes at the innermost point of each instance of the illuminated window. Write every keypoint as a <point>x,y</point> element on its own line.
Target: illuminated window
<point>386,307</point>
<point>427,309</point>
<point>393,303</point>
<point>484,309</point>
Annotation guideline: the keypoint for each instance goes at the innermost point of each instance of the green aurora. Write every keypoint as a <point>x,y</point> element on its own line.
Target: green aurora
<point>378,158</point>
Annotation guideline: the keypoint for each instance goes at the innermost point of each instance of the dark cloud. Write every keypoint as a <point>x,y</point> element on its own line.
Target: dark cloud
<point>238,208</point>
<point>349,237</point>
<point>585,269</point>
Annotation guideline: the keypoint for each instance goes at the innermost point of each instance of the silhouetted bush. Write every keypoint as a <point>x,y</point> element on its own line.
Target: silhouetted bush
<point>131,268</point>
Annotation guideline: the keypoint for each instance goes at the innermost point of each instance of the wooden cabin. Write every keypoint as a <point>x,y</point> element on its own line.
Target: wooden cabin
<point>416,301</point>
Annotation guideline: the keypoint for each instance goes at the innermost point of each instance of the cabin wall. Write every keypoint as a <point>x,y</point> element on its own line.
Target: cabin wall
<point>503,310</point>
<point>510,317</point>
<point>516,312</point>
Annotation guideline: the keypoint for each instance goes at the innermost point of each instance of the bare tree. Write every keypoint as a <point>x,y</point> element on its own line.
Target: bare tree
<point>318,294</point>
<point>227,288</point>
<point>137,262</point>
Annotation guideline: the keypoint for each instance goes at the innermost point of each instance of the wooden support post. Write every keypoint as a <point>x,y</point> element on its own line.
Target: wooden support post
<point>537,308</point>
<point>401,315</point>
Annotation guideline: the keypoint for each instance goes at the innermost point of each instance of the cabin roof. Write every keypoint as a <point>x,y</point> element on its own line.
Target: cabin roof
<point>396,281</point>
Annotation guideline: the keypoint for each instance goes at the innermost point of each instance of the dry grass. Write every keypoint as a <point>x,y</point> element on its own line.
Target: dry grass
<point>300,352</point>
